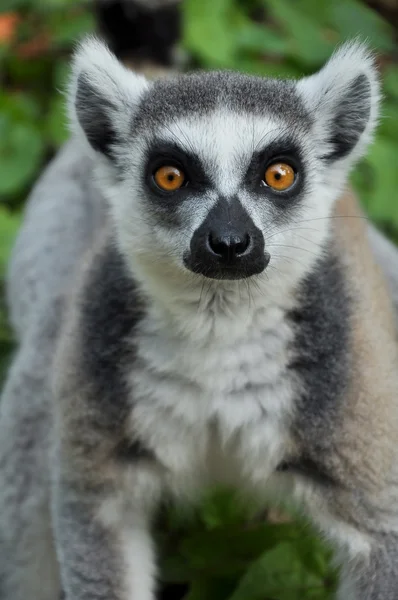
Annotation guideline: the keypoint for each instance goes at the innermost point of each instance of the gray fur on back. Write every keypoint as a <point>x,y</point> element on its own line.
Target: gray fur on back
<point>62,213</point>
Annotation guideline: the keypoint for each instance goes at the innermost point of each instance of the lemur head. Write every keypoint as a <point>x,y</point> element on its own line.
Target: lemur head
<point>221,175</point>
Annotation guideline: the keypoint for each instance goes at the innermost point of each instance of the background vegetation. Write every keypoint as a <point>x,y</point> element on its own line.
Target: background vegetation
<point>225,551</point>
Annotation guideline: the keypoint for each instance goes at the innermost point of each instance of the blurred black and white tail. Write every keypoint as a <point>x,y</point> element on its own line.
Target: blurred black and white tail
<point>142,33</point>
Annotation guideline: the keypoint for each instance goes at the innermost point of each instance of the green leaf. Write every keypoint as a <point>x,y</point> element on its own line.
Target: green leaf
<point>210,589</point>
<point>207,31</point>
<point>35,72</point>
<point>57,4</point>
<point>11,5</point>
<point>56,128</point>
<point>280,574</point>
<point>9,224</point>
<point>390,81</point>
<point>174,568</point>
<point>19,107</point>
<point>223,507</point>
<point>377,181</point>
<point>21,142</point>
<point>283,70</point>
<point>66,29</point>
<point>21,153</point>
<point>352,18</point>
<point>388,126</point>
<point>230,549</point>
<point>317,11</point>
<point>315,556</point>
<point>256,38</point>
<point>307,43</point>
<point>61,75</point>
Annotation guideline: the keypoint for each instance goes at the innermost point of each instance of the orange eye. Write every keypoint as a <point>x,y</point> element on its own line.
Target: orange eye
<point>169,178</point>
<point>279,176</point>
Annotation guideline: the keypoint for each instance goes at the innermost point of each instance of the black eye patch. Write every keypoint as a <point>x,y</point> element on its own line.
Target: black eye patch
<point>163,205</point>
<point>165,153</point>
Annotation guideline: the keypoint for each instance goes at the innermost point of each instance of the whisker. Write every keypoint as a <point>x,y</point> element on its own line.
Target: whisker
<point>293,247</point>
<point>291,258</point>
<point>309,241</point>
<point>315,219</point>
<point>264,137</point>
<point>274,268</point>
<point>255,283</point>
<point>290,229</point>
<point>175,136</point>
<point>335,217</point>
<point>186,138</point>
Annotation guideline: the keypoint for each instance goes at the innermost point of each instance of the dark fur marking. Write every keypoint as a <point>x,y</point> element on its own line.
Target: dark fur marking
<point>321,361</point>
<point>306,467</point>
<point>199,93</point>
<point>92,111</point>
<point>110,311</point>
<point>129,450</point>
<point>164,205</point>
<point>352,115</point>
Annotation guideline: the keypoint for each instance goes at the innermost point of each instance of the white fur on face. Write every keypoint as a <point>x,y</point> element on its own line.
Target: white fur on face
<point>224,142</point>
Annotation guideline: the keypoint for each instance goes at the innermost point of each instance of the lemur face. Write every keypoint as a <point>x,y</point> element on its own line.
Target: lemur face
<point>220,182</point>
<point>222,175</point>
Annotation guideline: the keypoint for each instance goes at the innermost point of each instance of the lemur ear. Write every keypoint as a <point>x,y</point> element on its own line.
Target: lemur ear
<point>102,96</point>
<point>343,99</point>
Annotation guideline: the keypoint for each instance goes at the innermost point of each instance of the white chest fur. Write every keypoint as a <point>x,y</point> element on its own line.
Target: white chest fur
<point>214,409</point>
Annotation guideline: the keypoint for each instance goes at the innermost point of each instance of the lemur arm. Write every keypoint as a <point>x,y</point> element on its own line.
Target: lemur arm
<point>374,577</point>
<point>104,547</point>
<point>365,535</point>
<point>105,484</point>
<point>102,533</point>
<point>357,517</point>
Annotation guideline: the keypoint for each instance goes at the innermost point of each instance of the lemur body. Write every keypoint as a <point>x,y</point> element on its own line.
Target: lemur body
<point>179,365</point>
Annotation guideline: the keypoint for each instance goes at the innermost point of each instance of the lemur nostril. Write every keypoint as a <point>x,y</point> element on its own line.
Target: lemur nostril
<point>242,245</point>
<point>229,246</point>
<point>218,245</point>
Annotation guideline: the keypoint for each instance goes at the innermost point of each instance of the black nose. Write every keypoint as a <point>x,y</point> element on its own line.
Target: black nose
<point>229,246</point>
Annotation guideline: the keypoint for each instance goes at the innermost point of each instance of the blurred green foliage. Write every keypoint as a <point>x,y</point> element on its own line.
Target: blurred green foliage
<point>228,550</point>
<point>224,551</point>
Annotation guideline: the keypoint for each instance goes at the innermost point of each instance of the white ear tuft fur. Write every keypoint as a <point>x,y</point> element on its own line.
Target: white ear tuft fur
<point>102,95</point>
<point>344,98</point>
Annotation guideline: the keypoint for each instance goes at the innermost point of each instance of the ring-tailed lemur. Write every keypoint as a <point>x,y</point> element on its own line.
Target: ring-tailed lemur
<point>230,325</point>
